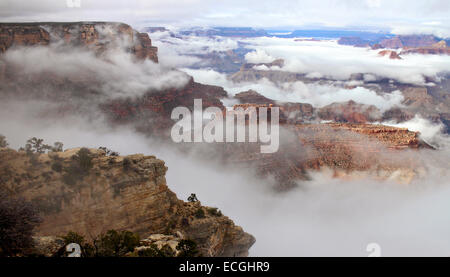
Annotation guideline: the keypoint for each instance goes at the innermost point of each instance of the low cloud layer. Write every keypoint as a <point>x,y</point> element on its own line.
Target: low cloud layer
<point>315,59</point>
<point>329,59</point>
<point>432,133</point>
<point>114,74</point>
<point>315,94</point>
<point>180,51</point>
<point>325,217</point>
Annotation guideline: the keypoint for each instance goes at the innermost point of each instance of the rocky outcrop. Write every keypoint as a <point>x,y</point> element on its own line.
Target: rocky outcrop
<point>289,112</point>
<point>350,112</point>
<point>393,55</point>
<point>251,72</point>
<point>354,41</point>
<point>121,193</point>
<point>253,97</point>
<point>342,147</point>
<point>47,246</point>
<point>409,44</point>
<point>98,36</point>
<point>155,107</point>
<point>409,41</point>
<point>439,48</point>
<point>225,32</point>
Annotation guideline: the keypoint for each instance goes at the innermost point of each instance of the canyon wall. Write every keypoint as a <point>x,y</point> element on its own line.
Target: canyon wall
<point>121,193</point>
<point>98,36</point>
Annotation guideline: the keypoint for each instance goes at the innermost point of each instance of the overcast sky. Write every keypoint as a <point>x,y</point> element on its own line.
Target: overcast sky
<point>401,16</point>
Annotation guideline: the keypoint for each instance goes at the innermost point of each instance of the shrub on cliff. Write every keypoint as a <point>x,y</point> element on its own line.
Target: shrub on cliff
<point>126,164</point>
<point>57,147</point>
<point>187,248</point>
<point>79,167</point>
<point>57,166</point>
<point>73,237</point>
<point>152,251</point>
<point>3,142</point>
<point>214,211</point>
<point>111,244</point>
<point>199,213</point>
<point>192,198</point>
<point>87,250</point>
<point>83,159</point>
<point>35,145</point>
<point>116,243</point>
<point>17,221</point>
<point>109,152</point>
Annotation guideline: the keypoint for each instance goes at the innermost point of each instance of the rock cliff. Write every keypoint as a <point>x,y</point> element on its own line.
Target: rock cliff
<point>98,36</point>
<point>342,147</point>
<point>350,112</point>
<point>122,193</point>
<point>409,41</point>
<point>393,55</point>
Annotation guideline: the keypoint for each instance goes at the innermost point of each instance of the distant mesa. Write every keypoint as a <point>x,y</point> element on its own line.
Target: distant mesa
<point>354,41</point>
<point>410,44</point>
<point>154,29</point>
<point>409,41</point>
<point>225,32</point>
<point>251,96</point>
<point>307,39</point>
<point>439,48</point>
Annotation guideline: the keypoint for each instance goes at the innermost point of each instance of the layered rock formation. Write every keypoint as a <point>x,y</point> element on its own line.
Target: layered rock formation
<point>408,41</point>
<point>225,32</point>
<point>350,112</point>
<point>393,55</point>
<point>410,44</point>
<point>152,111</point>
<point>98,36</point>
<point>122,193</point>
<point>252,96</point>
<point>439,48</point>
<point>354,41</point>
<point>289,112</point>
<point>350,149</point>
<point>251,72</point>
<point>150,114</point>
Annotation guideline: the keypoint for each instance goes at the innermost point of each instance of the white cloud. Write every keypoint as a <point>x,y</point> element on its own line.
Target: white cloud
<point>179,51</point>
<point>317,95</point>
<point>428,28</point>
<point>429,131</point>
<point>116,73</point>
<point>265,13</point>
<point>258,56</point>
<point>327,217</point>
<point>329,59</point>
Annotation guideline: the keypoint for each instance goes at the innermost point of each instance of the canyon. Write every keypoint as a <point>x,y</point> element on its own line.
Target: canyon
<point>118,192</point>
<point>97,36</point>
<point>131,193</point>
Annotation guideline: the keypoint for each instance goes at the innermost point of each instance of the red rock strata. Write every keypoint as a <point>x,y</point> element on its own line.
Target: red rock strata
<point>350,112</point>
<point>391,54</point>
<point>96,35</point>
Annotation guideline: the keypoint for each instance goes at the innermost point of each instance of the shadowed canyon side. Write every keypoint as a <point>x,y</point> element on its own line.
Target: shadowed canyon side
<point>116,192</point>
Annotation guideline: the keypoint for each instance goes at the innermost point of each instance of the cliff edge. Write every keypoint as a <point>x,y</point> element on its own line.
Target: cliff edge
<point>94,192</point>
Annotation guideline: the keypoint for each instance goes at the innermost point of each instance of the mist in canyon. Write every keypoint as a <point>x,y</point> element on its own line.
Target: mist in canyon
<point>322,217</point>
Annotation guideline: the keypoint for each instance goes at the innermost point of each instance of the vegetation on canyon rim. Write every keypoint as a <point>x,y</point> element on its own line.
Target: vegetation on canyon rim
<point>19,218</point>
<point>115,243</point>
